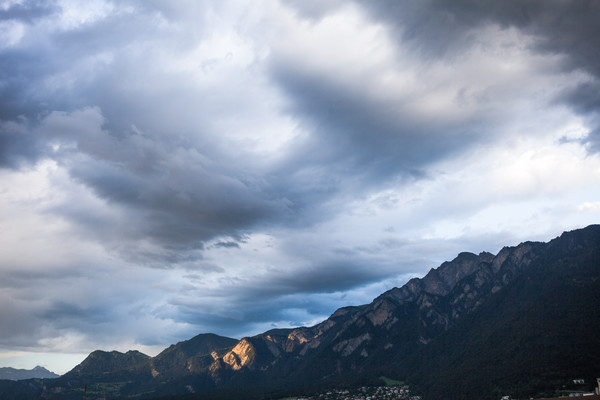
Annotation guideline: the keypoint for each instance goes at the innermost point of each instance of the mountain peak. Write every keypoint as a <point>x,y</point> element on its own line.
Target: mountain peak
<point>188,355</point>
<point>109,362</point>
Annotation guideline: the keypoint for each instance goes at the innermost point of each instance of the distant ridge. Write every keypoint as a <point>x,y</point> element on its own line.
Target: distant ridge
<point>20,374</point>
<point>520,323</point>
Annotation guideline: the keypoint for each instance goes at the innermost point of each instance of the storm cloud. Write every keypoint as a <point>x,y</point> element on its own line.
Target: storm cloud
<point>170,168</point>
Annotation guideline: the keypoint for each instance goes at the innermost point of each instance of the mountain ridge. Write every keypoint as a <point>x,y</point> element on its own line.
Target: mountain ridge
<point>425,328</point>
<point>21,374</point>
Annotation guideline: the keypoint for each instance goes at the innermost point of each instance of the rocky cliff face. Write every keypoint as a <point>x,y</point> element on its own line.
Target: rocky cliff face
<point>191,356</point>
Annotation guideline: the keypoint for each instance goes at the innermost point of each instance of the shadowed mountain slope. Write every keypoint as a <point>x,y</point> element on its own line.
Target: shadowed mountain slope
<point>536,334</point>
<point>103,362</point>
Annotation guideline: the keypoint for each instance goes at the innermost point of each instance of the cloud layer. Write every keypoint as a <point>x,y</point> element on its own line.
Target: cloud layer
<point>171,168</point>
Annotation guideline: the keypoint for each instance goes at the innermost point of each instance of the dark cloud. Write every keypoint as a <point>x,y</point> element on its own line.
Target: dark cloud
<point>20,88</point>
<point>314,9</point>
<point>178,209</point>
<point>256,315</point>
<point>567,28</point>
<point>333,276</point>
<point>28,11</point>
<point>180,184</point>
<point>18,149</point>
<point>65,314</point>
<point>163,192</point>
<point>288,296</point>
<point>358,136</point>
<point>585,99</point>
<point>227,245</point>
<point>442,29</point>
<point>217,192</point>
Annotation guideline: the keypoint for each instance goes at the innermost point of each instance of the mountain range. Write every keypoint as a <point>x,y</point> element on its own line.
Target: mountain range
<point>522,323</point>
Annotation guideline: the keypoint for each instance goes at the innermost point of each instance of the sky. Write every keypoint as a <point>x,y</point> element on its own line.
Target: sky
<point>170,168</point>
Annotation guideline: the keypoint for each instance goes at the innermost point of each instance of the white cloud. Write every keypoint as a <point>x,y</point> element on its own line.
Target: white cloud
<point>74,13</point>
<point>11,33</point>
<point>589,206</point>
